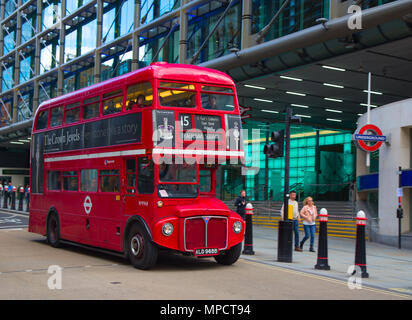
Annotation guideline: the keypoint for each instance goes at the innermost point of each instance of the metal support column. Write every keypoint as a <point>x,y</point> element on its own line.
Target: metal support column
<point>135,37</point>
<point>37,59</point>
<point>99,33</point>
<point>37,56</point>
<point>246,24</point>
<point>60,73</point>
<point>183,33</point>
<point>17,64</point>
<point>2,4</point>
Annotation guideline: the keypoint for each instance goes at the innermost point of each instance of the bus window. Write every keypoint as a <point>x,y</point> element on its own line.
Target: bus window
<point>91,110</point>
<point>56,118</point>
<point>177,172</point>
<point>109,181</point>
<point>170,173</point>
<point>112,105</point>
<point>72,113</point>
<point>181,97</point>
<point>145,176</point>
<point>88,180</point>
<point>139,95</point>
<point>217,89</point>
<point>131,176</point>
<point>205,181</point>
<point>54,181</point>
<point>42,120</point>
<point>70,181</point>
<point>217,101</point>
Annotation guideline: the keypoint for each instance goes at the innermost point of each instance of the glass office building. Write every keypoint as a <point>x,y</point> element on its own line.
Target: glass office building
<point>52,47</point>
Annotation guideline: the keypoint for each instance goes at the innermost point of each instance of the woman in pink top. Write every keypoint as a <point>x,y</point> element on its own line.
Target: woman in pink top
<point>309,214</point>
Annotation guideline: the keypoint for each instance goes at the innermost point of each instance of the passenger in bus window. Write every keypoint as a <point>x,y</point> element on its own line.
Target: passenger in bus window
<point>211,102</point>
<point>191,102</point>
<point>140,101</point>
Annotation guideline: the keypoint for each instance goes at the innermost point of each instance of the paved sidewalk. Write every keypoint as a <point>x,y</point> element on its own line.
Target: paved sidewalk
<point>388,267</point>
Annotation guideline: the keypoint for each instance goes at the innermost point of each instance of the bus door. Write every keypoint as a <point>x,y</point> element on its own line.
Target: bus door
<point>129,186</point>
<point>109,204</point>
<point>138,186</point>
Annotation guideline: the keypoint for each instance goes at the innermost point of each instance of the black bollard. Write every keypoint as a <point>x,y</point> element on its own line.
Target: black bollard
<point>13,199</point>
<point>322,263</point>
<point>6,196</point>
<point>248,247</point>
<point>360,252</point>
<point>21,198</point>
<point>285,240</point>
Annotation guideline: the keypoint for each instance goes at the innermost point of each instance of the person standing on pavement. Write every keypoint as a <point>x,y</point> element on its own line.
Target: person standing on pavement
<point>309,214</point>
<point>296,219</point>
<point>240,204</point>
<point>9,193</point>
<point>27,195</point>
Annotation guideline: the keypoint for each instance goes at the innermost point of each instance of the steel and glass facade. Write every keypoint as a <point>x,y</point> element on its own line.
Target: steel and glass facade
<point>51,47</point>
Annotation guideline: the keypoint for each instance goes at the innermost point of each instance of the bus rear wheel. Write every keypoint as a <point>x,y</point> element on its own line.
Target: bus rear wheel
<point>53,231</point>
<point>142,252</point>
<point>229,256</point>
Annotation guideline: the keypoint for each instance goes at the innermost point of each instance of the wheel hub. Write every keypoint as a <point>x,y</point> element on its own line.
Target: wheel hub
<point>137,245</point>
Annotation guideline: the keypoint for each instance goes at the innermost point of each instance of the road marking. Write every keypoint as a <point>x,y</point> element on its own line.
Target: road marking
<point>12,228</point>
<point>325,278</point>
<point>402,290</point>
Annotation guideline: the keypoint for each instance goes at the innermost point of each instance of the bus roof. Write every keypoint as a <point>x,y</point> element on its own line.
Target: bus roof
<point>158,70</point>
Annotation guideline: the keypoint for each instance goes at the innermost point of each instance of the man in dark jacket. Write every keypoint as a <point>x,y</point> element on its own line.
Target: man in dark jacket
<point>240,204</point>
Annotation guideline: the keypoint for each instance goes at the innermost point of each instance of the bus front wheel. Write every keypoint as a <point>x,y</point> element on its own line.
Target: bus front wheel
<point>142,252</point>
<point>230,256</point>
<point>53,230</point>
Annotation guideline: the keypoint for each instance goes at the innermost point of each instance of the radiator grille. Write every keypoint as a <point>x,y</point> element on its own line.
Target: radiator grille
<point>205,232</point>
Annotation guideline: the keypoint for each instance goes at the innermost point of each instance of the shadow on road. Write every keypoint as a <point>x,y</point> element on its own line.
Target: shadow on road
<point>167,260</point>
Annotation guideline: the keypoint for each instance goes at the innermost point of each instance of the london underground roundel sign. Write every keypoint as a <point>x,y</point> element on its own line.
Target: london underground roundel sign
<point>371,141</point>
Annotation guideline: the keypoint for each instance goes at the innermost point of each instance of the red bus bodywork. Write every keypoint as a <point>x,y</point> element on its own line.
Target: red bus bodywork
<point>103,219</point>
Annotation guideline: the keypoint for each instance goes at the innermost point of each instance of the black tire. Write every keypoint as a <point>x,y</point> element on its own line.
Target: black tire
<point>53,231</point>
<point>230,256</point>
<point>142,252</point>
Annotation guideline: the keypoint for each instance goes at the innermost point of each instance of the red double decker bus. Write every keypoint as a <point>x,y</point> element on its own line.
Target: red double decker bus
<point>129,165</point>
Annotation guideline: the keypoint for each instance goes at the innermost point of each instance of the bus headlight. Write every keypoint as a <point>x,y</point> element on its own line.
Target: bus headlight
<point>237,227</point>
<point>167,229</point>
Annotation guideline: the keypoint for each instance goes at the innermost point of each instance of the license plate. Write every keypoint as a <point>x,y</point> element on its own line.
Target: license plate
<point>206,252</point>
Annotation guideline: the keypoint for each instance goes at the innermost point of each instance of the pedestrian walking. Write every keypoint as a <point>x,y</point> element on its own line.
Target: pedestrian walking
<point>240,204</point>
<point>309,214</point>
<point>296,218</point>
